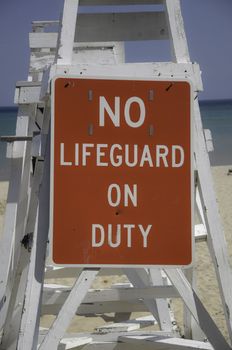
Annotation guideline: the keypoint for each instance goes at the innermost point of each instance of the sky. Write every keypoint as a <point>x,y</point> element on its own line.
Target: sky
<point>208,25</point>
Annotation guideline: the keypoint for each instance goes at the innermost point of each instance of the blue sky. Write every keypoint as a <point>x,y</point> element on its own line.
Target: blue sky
<point>208,25</point>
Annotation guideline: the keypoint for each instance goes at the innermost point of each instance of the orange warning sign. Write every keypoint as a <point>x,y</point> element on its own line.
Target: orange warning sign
<point>121,178</point>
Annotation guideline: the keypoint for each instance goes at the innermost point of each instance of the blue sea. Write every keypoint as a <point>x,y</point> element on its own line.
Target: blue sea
<point>216,116</point>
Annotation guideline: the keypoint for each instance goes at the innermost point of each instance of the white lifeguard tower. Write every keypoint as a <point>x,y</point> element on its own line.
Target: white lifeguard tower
<point>91,45</point>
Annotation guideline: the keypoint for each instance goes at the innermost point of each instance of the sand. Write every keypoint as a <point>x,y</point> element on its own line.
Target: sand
<point>206,280</point>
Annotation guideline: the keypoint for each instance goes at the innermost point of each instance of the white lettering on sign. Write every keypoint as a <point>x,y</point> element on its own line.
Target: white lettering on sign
<point>62,161</point>
<point>146,157</point>
<point>161,153</point>
<point>116,155</point>
<point>115,115</point>
<point>76,154</point>
<point>128,161</point>
<point>141,119</point>
<point>85,153</point>
<point>175,163</point>
<point>129,231</point>
<point>101,235</point>
<point>116,160</point>
<point>101,154</point>
<point>114,195</point>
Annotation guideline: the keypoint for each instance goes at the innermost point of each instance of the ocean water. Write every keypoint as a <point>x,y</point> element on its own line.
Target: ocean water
<point>216,116</point>
<point>7,127</point>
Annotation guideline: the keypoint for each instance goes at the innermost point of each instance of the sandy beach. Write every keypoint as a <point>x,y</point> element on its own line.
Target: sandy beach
<point>206,280</point>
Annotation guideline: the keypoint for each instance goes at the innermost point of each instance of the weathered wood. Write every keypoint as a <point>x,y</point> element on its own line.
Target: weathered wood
<point>130,325</point>
<point>16,209</point>
<point>104,338</point>
<point>164,70</point>
<point>27,93</point>
<point>15,138</point>
<point>29,327</point>
<point>197,309</point>
<point>99,308</point>
<point>120,27</point>
<point>12,324</point>
<point>140,279</point>
<point>73,272</point>
<point>66,39</point>
<point>106,53</point>
<point>43,40</point>
<point>108,27</point>
<point>159,342</point>
<point>43,24</point>
<point>73,343</point>
<point>162,303</point>
<point>208,140</point>
<point>57,295</point>
<point>200,233</point>
<point>57,331</point>
<point>142,340</point>
<point>41,60</point>
<point>179,46</point>
<point>119,2</point>
<point>27,84</point>
<point>191,328</point>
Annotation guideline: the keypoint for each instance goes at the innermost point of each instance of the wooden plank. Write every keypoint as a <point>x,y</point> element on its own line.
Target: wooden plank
<point>73,343</point>
<point>40,60</point>
<point>208,140</point>
<point>120,27</point>
<point>28,84</point>
<point>12,323</point>
<point>29,327</point>
<point>200,233</point>
<point>66,40</point>
<point>148,340</point>
<point>105,338</point>
<point>199,207</point>
<point>130,325</point>
<point>159,342</point>
<point>57,295</point>
<point>27,94</point>
<point>162,303</point>
<point>68,310</point>
<point>177,35</point>
<point>43,40</point>
<point>99,308</point>
<point>16,208</point>
<point>107,28</point>
<point>106,53</point>
<point>140,279</point>
<point>15,138</point>
<point>197,309</point>
<point>73,272</point>
<point>119,2</point>
<point>165,70</point>
<point>43,24</point>
<point>191,327</point>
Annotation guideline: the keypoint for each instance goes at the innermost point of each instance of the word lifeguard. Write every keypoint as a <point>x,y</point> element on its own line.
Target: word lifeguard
<point>116,155</point>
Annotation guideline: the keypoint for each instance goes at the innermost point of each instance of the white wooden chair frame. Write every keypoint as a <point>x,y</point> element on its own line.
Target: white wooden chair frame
<point>23,295</point>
